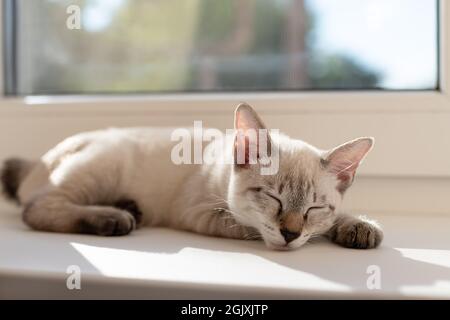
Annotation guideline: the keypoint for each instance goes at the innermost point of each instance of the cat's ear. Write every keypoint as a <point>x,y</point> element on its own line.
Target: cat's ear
<point>345,159</point>
<point>246,118</point>
<point>252,137</point>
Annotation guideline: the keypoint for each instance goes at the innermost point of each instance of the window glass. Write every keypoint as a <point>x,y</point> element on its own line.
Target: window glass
<point>143,46</point>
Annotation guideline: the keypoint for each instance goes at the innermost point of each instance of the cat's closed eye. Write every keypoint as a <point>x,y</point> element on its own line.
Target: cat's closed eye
<point>261,190</point>
<point>280,208</point>
<point>315,208</point>
<point>255,189</point>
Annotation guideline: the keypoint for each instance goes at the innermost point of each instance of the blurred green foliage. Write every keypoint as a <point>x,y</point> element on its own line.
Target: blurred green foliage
<point>171,45</point>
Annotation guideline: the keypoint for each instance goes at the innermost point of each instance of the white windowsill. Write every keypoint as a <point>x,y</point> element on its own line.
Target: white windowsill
<point>414,261</point>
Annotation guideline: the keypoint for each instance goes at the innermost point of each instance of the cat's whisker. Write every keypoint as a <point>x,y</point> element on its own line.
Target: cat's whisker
<point>219,198</point>
<point>252,236</point>
<point>231,212</point>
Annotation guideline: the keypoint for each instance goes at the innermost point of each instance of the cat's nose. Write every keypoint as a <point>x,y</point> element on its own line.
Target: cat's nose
<point>289,235</point>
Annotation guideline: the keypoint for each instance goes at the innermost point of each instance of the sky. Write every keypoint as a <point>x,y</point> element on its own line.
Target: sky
<point>99,14</point>
<point>396,38</point>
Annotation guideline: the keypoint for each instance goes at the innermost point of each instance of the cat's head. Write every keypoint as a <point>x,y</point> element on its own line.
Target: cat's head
<point>299,200</point>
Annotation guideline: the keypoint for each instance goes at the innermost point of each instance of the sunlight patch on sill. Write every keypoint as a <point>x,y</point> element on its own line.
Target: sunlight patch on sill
<point>438,289</point>
<point>437,257</point>
<point>194,265</point>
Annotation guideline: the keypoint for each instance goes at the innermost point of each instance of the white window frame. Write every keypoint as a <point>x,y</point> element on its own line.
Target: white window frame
<point>412,129</point>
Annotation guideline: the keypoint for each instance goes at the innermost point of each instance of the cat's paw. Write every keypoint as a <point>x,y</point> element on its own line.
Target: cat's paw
<point>359,234</point>
<point>132,207</point>
<point>109,223</point>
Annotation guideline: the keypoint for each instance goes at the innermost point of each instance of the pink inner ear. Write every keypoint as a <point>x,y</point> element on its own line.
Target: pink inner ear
<point>345,170</point>
<point>241,150</point>
<point>243,125</point>
<point>246,147</point>
<point>344,160</point>
<point>347,174</point>
<point>343,166</point>
<point>245,121</point>
<point>252,139</point>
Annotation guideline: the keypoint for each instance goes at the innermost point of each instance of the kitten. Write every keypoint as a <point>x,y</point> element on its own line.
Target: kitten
<point>110,182</point>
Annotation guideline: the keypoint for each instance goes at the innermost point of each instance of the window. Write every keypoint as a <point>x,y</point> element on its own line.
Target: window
<point>165,46</point>
<point>155,46</point>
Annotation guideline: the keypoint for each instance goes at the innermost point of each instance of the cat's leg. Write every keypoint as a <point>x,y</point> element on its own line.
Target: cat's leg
<point>52,211</point>
<point>217,222</point>
<point>222,224</point>
<point>355,232</point>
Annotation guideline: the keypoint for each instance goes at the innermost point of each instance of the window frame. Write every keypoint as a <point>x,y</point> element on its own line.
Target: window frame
<point>11,16</point>
<point>9,62</point>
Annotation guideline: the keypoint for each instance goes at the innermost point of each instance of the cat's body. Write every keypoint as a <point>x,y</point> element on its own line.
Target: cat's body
<point>108,182</point>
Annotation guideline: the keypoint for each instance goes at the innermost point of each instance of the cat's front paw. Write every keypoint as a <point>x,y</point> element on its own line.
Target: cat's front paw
<point>109,223</point>
<point>358,234</point>
<point>132,207</point>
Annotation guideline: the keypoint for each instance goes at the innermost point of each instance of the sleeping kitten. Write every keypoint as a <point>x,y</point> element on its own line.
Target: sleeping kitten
<point>112,181</point>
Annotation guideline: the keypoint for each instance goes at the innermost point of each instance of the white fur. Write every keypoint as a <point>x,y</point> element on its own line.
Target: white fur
<point>101,167</point>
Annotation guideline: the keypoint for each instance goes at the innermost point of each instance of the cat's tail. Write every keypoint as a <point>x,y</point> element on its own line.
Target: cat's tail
<point>12,173</point>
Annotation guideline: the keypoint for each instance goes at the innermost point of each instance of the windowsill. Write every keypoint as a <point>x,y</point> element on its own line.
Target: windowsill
<point>414,261</point>
<point>287,102</point>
